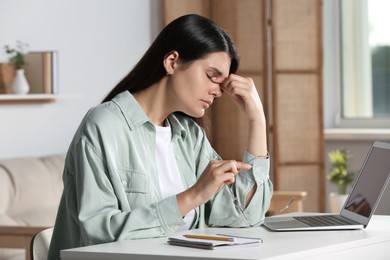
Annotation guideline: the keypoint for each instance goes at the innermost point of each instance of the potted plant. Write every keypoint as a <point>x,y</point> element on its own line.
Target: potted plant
<point>19,84</point>
<point>340,176</point>
<point>16,55</point>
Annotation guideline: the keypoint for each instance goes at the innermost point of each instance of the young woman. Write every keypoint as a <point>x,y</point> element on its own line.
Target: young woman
<point>140,166</point>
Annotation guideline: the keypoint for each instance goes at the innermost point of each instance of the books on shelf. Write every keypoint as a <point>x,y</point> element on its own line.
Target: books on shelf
<point>41,71</point>
<point>7,75</point>
<point>211,241</point>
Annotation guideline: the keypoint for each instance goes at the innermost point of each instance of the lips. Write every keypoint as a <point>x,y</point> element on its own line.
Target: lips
<point>206,103</point>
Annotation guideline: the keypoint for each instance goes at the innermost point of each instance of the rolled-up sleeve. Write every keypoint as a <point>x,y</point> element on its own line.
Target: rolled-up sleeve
<point>222,209</point>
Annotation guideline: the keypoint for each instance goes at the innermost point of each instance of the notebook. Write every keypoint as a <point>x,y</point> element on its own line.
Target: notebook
<point>366,192</point>
<point>211,241</point>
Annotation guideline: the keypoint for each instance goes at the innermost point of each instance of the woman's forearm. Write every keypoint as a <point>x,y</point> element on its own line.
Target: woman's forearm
<point>257,145</point>
<point>257,137</point>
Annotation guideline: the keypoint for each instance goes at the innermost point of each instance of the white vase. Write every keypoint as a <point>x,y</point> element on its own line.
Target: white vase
<point>336,201</point>
<point>20,84</point>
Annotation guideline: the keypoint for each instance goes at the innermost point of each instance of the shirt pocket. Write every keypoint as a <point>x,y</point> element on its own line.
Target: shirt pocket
<point>134,182</point>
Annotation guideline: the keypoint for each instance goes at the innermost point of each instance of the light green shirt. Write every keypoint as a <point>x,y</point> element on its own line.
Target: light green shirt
<point>111,188</point>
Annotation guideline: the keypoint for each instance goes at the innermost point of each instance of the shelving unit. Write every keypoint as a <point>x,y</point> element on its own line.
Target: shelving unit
<point>31,98</point>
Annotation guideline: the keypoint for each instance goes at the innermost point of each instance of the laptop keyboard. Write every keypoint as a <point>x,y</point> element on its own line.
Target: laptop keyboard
<point>325,220</point>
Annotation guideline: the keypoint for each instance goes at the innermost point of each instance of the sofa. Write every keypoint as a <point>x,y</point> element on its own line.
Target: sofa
<point>30,191</point>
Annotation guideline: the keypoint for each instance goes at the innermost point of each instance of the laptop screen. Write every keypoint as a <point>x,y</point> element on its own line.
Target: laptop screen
<point>369,184</point>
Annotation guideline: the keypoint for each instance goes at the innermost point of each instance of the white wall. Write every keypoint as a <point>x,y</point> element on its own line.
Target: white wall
<point>330,66</point>
<point>98,43</point>
<point>331,74</point>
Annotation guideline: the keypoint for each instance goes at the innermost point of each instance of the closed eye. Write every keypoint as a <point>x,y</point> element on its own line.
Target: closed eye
<point>214,79</point>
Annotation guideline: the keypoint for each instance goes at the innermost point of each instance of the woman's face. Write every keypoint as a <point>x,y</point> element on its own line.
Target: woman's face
<point>194,87</point>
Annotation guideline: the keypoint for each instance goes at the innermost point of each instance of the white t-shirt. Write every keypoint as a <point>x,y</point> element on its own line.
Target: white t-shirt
<point>170,179</point>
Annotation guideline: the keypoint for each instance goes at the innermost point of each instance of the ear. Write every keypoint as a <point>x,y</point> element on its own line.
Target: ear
<point>171,61</point>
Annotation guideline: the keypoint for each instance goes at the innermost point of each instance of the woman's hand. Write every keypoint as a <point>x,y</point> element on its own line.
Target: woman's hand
<point>244,93</point>
<point>214,177</point>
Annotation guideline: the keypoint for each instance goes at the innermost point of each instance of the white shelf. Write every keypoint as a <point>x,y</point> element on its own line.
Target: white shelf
<point>361,134</point>
<point>32,98</point>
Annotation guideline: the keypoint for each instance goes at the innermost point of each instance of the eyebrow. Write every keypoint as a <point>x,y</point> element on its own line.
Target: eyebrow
<point>216,70</point>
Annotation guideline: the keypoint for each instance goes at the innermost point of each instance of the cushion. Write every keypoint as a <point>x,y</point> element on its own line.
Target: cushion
<point>6,190</point>
<point>30,189</point>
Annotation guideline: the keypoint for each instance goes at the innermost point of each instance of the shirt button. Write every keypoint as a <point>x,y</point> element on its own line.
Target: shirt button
<point>124,182</point>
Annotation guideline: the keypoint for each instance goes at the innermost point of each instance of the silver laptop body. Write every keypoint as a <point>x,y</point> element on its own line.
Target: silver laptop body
<point>366,192</point>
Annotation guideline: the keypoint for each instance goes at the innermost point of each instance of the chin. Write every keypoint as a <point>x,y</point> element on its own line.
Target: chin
<point>196,114</point>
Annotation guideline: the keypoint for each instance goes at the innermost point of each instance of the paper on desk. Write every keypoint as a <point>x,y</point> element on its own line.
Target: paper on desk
<point>178,239</point>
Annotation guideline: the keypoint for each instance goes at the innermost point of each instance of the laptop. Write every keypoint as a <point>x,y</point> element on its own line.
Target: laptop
<point>366,192</point>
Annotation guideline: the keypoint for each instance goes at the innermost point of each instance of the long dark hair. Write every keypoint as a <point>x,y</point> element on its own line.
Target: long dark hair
<point>192,36</point>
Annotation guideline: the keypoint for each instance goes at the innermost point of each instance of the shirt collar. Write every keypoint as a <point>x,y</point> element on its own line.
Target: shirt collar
<point>135,116</point>
<point>178,129</point>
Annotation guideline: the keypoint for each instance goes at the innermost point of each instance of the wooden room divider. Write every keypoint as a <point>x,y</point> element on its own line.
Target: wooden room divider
<point>280,46</point>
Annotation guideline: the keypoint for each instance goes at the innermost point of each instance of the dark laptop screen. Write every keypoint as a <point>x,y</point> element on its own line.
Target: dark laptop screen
<point>369,184</point>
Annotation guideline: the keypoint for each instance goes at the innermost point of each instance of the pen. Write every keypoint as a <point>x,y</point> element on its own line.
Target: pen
<point>210,237</point>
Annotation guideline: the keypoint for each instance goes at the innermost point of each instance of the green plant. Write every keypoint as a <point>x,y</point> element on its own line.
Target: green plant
<point>339,174</point>
<point>17,54</point>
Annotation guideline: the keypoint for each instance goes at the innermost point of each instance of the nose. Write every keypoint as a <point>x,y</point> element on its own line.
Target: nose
<point>216,90</point>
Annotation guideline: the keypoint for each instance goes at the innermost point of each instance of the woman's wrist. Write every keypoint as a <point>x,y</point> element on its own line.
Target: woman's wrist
<point>259,119</point>
<point>188,200</point>
<point>257,140</point>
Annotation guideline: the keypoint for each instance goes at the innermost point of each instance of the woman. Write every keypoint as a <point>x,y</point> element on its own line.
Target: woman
<point>139,165</point>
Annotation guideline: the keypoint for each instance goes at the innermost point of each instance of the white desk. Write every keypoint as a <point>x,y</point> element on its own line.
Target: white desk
<point>371,243</point>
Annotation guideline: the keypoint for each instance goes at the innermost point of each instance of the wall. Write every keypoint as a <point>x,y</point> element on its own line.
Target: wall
<point>358,144</point>
<point>98,42</point>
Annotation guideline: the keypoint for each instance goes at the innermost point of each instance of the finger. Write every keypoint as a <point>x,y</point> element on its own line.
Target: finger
<point>241,87</point>
<point>230,175</point>
<point>243,166</point>
<point>215,164</point>
<point>234,166</point>
<point>230,166</point>
<point>230,178</point>
<point>236,88</point>
<point>217,80</point>
<point>234,78</point>
<point>224,171</point>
